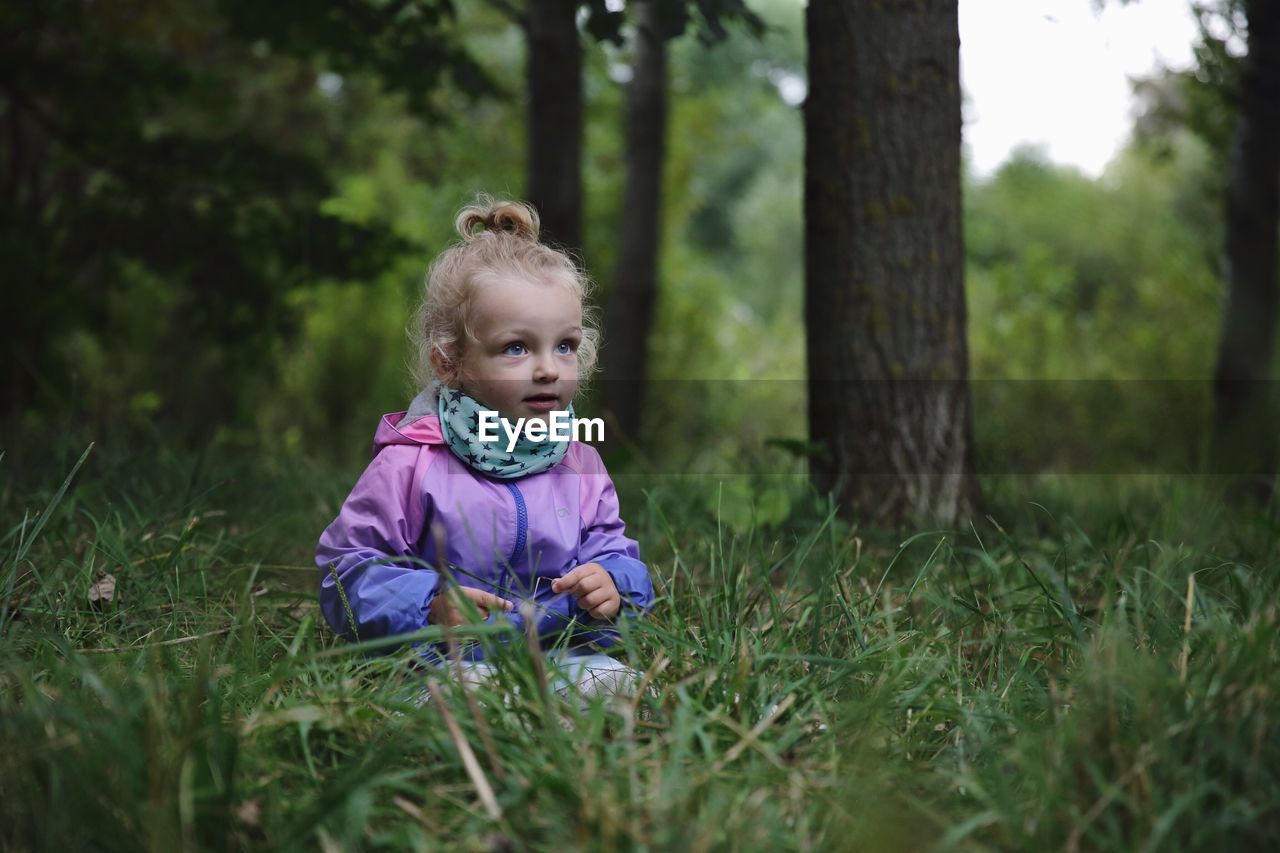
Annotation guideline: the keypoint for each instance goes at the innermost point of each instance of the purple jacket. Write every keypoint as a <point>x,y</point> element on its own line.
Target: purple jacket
<point>509,537</point>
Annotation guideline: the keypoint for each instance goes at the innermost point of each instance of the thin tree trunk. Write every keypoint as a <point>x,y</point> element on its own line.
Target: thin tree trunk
<point>884,261</point>
<point>555,120</point>
<point>1244,423</point>
<point>632,300</point>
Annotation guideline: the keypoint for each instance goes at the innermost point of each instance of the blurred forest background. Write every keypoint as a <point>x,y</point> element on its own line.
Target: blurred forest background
<point>217,217</point>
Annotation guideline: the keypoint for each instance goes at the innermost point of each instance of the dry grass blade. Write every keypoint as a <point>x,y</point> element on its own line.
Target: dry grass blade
<point>754,735</point>
<point>469,762</point>
<point>1186,629</point>
<point>176,641</point>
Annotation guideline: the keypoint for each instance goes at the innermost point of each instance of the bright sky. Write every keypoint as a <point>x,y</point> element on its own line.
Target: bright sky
<point>1055,72</point>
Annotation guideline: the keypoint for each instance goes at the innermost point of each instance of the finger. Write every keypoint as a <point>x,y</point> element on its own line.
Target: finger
<point>453,608</point>
<point>578,575</point>
<point>595,599</point>
<point>607,610</point>
<point>486,601</point>
<point>588,585</point>
<point>463,602</point>
<point>567,581</point>
<point>454,611</point>
<point>489,601</point>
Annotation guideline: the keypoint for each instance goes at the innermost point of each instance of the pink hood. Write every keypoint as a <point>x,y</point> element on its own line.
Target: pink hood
<point>424,430</point>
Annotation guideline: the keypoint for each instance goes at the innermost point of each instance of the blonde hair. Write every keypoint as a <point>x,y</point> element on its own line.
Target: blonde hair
<point>507,245</point>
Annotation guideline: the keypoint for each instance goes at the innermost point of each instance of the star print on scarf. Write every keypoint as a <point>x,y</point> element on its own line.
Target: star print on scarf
<point>460,422</point>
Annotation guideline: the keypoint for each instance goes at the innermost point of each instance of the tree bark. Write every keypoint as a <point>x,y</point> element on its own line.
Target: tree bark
<point>633,298</point>
<point>1244,440</point>
<point>555,120</point>
<point>886,347</point>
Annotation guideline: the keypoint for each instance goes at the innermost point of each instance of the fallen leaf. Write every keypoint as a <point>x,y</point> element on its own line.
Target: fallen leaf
<point>250,813</point>
<point>104,591</point>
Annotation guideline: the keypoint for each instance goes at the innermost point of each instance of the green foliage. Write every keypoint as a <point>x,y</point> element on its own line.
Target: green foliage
<point>1093,312</point>
<point>719,303</point>
<point>408,45</point>
<point>1200,99</point>
<point>197,187</point>
<point>293,185</point>
<point>342,357</point>
<point>1069,278</point>
<point>728,347</point>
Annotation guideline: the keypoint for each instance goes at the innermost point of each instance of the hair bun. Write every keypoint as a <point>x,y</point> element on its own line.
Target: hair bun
<point>512,217</point>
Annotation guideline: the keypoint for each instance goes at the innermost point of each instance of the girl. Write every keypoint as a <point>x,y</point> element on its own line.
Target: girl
<point>502,328</point>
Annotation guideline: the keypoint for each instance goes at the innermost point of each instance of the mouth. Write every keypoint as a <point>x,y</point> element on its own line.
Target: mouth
<point>542,402</point>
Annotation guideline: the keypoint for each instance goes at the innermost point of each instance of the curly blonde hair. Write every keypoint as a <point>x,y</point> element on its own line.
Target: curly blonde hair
<point>504,244</point>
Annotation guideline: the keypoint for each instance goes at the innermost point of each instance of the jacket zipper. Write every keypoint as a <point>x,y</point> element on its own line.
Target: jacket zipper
<point>522,524</point>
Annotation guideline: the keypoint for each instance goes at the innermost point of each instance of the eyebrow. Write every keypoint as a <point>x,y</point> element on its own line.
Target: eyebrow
<point>521,332</point>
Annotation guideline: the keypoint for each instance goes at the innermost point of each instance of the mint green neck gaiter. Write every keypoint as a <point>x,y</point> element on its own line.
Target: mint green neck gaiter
<point>460,422</point>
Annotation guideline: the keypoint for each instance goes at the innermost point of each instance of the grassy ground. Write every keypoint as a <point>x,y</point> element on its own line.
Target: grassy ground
<point>1095,669</point>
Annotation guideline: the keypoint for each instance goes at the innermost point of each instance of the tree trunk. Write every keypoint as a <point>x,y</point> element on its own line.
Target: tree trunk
<point>884,261</point>
<point>632,300</point>
<point>555,120</point>
<point>1244,441</point>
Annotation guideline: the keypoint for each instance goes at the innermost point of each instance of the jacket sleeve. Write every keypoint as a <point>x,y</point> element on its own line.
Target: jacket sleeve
<point>371,547</point>
<point>603,536</point>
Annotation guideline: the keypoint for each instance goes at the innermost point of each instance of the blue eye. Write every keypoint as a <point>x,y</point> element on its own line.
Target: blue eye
<point>514,349</point>
<point>565,348</point>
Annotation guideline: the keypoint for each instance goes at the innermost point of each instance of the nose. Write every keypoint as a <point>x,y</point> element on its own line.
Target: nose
<point>545,369</point>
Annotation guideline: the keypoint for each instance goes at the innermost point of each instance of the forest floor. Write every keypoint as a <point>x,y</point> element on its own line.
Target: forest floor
<point>1093,666</point>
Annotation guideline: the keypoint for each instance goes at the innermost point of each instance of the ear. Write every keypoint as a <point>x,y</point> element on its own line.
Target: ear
<point>443,366</point>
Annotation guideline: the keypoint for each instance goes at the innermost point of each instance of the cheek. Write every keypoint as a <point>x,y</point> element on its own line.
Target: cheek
<point>501,391</point>
<point>482,368</point>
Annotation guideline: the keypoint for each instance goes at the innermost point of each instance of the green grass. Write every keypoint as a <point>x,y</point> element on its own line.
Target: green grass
<point>1044,680</point>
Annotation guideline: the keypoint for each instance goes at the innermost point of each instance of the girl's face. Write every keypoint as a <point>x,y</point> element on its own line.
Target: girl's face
<point>523,359</point>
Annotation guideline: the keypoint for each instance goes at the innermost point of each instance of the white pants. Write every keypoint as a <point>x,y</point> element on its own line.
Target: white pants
<point>568,674</point>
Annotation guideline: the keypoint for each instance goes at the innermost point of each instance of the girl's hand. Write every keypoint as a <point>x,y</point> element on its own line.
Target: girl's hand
<point>594,589</point>
<point>444,609</point>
